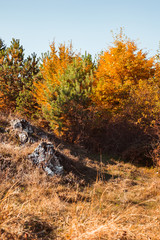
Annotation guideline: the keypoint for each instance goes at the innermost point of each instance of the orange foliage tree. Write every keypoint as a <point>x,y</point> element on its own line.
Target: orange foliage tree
<point>120,67</point>
<point>126,95</point>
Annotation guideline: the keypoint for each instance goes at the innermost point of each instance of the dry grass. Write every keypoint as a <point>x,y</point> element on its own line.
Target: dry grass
<point>123,208</point>
<point>122,203</point>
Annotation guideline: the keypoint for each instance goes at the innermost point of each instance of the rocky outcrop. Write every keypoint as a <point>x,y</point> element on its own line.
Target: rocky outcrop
<point>24,130</point>
<point>22,125</point>
<point>45,156</point>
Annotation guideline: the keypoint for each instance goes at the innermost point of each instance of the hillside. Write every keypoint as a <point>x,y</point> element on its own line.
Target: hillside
<point>96,197</point>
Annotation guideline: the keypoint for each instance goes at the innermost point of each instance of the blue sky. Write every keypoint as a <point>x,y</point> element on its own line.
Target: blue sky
<point>88,23</point>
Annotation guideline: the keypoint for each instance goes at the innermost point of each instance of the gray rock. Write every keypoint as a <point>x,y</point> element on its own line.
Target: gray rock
<point>24,131</point>
<point>45,155</point>
<point>22,125</point>
<point>23,137</point>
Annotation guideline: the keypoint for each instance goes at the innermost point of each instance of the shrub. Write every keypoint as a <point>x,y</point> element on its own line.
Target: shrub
<point>143,104</point>
<point>126,95</point>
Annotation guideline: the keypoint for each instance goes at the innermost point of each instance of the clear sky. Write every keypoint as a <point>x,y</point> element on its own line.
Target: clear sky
<point>88,23</point>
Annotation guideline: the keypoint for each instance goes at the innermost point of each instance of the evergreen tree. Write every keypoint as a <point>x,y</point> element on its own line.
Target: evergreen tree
<point>16,77</point>
<point>11,72</point>
<point>26,102</point>
<point>71,99</point>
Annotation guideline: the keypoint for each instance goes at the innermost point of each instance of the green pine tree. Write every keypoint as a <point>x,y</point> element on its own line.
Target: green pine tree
<point>16,78</point>
<point>70,109</point>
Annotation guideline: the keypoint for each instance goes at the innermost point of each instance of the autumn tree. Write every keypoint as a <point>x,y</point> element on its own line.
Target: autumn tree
<point>127,98</point>
<point>120,67</point>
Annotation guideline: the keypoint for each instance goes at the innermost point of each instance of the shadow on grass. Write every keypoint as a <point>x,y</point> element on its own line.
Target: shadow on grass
<point>80,170</point>
<point>35,228</point>
<point>77,167</point>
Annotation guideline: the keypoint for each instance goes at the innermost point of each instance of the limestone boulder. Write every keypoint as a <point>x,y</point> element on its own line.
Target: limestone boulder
<point>45,155</point>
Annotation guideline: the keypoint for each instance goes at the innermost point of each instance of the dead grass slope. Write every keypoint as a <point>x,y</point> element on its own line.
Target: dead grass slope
<point>96,198</point>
